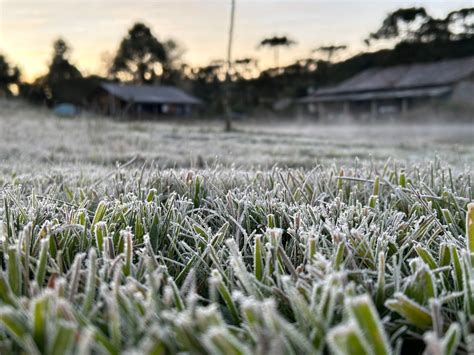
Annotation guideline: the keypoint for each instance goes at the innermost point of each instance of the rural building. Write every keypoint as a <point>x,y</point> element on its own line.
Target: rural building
<point>142,101</point>
<point>391,91</point>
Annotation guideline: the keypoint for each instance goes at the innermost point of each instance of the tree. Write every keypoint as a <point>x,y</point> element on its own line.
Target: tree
<point>402,25</point>
<point>461,23</point>
<point>434,30</point>
<point>415,25</point>
<point>9,75</point>
<point>61,68</point>
<point>245,67</point>
<point>174,70</point>
<point>330,50</point>
<point>60,71</point>
<point>207,83</point>
<point>213,72</point>
<point>275,43</point>
<point>141,57</point>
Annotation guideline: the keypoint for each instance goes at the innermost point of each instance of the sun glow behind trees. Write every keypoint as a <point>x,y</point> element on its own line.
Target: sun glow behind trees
<point>28,28</point>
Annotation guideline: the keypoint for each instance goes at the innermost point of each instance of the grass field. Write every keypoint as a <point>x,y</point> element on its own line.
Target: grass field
<point>157,238</point>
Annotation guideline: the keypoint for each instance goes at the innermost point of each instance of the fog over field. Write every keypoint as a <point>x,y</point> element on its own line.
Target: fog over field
<point>31,136</point>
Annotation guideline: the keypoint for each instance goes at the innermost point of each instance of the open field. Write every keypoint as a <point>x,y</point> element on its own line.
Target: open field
<point>31,137</point>
<point>200,244</point>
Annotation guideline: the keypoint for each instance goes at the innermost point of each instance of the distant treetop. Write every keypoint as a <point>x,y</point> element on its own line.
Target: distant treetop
<point>414,24</point>
<point>140,57</point>
<point>275,42</point>
<point>9,75</point>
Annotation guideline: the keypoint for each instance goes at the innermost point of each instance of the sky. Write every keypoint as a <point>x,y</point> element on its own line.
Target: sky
<point>94,28</point>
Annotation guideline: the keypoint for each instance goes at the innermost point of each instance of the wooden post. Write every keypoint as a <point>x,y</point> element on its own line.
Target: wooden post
<point>404,106</point>
<point>111,105</point>
<point>373,109</point>
<point>321,110</point>
<point>346,108</point>
<point>228,113</point>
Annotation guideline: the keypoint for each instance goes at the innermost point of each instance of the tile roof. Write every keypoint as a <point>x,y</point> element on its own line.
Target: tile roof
<point>150,94</point>
<point>380,94</point>
<point>406,76</point>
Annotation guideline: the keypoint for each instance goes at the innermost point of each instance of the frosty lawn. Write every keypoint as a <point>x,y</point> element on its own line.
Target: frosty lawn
<point>347,256</point>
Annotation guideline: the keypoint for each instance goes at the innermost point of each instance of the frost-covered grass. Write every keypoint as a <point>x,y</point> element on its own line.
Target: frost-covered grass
<point>32,138</point>
<point>345,256</point>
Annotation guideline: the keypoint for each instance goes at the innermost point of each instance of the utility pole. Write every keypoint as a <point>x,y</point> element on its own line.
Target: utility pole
<point>228,113</point>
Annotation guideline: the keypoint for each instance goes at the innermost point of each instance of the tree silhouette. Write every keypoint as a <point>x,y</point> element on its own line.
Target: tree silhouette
<point>275,43</point>
<point>415,25</point>
<point>8,75</point>
<point>402,24</point>
<point>434,30</point>
<point>61,68</point>
<point>330,50</point>
<point>207,83</point>
<point>173,67</point>
<point>213,72</point>
<point>245,67</point>
<point>462,23</point>
<point>141,57</point>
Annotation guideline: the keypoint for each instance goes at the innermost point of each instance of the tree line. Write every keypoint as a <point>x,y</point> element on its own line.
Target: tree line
<point>142,58</point>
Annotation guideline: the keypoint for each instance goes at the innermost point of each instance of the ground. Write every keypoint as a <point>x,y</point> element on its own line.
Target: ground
<point>31,136</point>
<point>279,237</point>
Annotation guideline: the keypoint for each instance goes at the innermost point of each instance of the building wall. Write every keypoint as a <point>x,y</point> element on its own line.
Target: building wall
<point>106,104</point>
<point>463,93</point>
<point>357,110</point>
<point>382,109</point>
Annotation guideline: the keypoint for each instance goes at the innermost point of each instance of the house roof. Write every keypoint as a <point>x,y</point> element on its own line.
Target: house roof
<point>150,94</point>
<point>380,94</point>
<point>403,77</point>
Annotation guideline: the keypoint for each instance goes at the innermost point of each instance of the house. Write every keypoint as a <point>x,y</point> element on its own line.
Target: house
<point>142,101</point>
<point>380,92</point>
